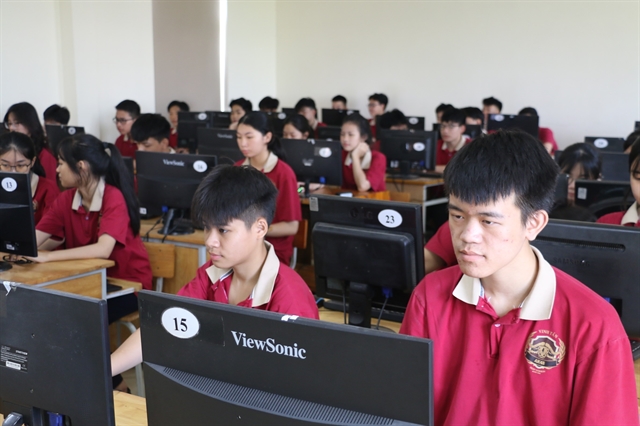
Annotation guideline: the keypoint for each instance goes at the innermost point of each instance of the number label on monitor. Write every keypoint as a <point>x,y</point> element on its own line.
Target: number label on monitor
<point>390,218</point>
<point>418,146</point>
<point>498,117</point>
<point>413,120</point>
<point>9,184</point>
<point>180,323</point>
<point>71,131</point>
<point>582,193</point>
<point>202,116</point>
<point>200,166</point>
<point>601,143</point>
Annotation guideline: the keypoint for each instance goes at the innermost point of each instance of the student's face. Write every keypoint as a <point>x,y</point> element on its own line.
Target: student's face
<point>173,115</point>
<point>399,127</point>
<point>308,113</point>
<point>52,123</point>
<point>68,178</point>
<point>236,113</point>
<point>375,108</point>
<point>451,132</point>
<point>338,105</point>
<point>290,132</point>
<point>488,237</point>
<point>473,121</point>
<point>231,245</point>
<point>635,181</point>
<point>350,137</point>
<point>14,161</point>
<point>490,109</point>
<point>16,126</point>
<point>153,145</point>
<point>251,142</point>
<point>124,121</point>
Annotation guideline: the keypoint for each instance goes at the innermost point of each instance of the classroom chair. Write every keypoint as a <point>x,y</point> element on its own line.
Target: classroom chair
<point>299,242</point>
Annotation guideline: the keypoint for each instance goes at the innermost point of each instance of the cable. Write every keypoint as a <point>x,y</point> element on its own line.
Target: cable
<point>146,236</point>
<point>388,293</point>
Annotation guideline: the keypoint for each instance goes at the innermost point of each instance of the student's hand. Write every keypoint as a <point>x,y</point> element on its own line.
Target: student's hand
<point>43,257</point>
<point>360,150</point>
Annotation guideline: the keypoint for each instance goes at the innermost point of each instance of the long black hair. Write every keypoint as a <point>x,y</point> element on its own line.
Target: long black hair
<point>260,121</point>
<point>14,141</point>
<point>587,155</point>
<point>26,115</point>
<point>104,161</point>
<point>300,123</point>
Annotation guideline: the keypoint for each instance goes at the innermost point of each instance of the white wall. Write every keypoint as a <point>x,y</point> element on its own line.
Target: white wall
<point>576,62</point>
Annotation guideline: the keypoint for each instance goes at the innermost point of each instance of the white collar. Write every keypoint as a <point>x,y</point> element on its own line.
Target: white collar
<point>96,201</point>
<point>34,183</point>
<point>631,216</point>
<point>271,163</point>
<point>365,162</point>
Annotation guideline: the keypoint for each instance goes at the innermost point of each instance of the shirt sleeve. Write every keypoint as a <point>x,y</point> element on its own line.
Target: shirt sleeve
<point>376,172</point>
<point>442,246</point>
<point>292,296</point>
<point>611,218</point>
<point>52,221</point>
<point>288,207</point>
<point>115,216</point>
<point>49,197</point>
<point>198,287</point>
<point>415,317</point>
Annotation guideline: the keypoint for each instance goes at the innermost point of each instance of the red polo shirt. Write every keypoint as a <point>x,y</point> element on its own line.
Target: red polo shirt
<point>279,288</point>
<point>49,164</point>
<point>375,172</point>
<point>173,138</point>
<point>318,125</point>
<point>44,193</point>
<point>108,214</point>
<point>441,245</point>
<point>628,218</point>
<point>546,136</point>
<point>126,146</point>
<point>561,358</point>
<point>287,204</point>
<point>443,155</point>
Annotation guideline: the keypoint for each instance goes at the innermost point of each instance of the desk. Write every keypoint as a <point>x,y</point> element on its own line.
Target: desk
<point>130,410</point>
<point>426,191</point>
<point>86,277</point>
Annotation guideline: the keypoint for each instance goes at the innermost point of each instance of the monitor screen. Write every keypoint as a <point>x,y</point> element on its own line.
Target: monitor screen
<point>592,252</point>
<point>368,251</point>
<point>416,123</point>
<point>236,365</point>
<point>606,143</point>
<point>334,117</point>
<point>188,124</point>
<point>57,133</point>
<point>55,357</point>
<point>289,111</point>
<point>17,233</point>
<point>603,197</point>
<point>615,166</point>
<point>637,126</point>
<point>329,133</point>
<point>220,119</point>
<point>314,161</point>
<point>222,143</point>
<point>408,151</point>
<point>277,120</point>
<point>526,123</point>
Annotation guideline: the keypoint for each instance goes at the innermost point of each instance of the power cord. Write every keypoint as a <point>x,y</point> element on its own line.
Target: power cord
<point>388,293</point>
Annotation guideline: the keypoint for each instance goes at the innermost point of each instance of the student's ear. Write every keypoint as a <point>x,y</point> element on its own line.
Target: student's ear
<point>268,137</point>
<point>463,126</point>
<point>536,223</point>
<point>164,142</point>
<point>261,226</point>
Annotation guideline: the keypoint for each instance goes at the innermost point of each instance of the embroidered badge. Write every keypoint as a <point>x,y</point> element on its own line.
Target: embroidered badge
<point>544,351</point>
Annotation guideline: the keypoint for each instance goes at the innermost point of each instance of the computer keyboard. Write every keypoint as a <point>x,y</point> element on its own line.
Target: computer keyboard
<point>635,348</point>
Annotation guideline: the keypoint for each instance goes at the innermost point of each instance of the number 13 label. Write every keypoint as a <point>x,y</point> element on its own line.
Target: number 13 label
<point>180,323</point>
<point>9,184</point>
<point>390,218</point>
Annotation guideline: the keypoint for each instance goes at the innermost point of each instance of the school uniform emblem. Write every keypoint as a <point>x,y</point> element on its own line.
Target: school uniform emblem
<point>544,350</point>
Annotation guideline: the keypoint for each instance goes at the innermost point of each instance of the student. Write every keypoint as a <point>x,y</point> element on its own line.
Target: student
<point>263,151</point>
<point>491,106</point>
<point>377,106</point>
<point>23,118</point>
<point>173,109</point>
<point>269,104</point>
<point>339,102</point>
<point>544,133</point>
<point>18,154</point>
<point>126,113</point>
<point>633,136</point>
<point>151,133</point>
<point>473,116</point>
<point>235,206</point>
<point>579,161</point>
<point>632,216</point>
<point>505,324</point>
<point>307,108</point>
<point>239,107</point>
<point>362,168</point>
<point>56,115</point>
<point>296,127</point>
<point>393,120</point>
<point>440,109</point>
<point>452,137</point>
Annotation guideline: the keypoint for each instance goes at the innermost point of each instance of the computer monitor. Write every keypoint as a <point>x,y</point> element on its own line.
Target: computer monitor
<point>408,151</point>
<point>222,143</point>
<point>314,161</point>
<point>603,197</point>
<point>562,188</point>
<point>471,130</point>
<point>55,357</point>
<point>526,123</point>
<point>289,111</point>
<point>56,133</point>
<point>188,124</point>
<point>637,126</point>
<point>17,232</point>
<point>606,144</point>
<point>334,117</point>
<point>218,364</point>
<point>220,119</point>
<point>366,252</point>
<point>329,133</point>
<point>592,252</point>
<point>416,123</point>
<point>277,119</point>
<point>615,166</point>
<point>167,183</point>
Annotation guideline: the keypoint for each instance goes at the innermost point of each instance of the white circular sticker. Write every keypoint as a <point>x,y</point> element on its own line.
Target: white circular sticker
<point>349,112</point>
<point>9,184</point>
<point>601,143</point>
<point>71,130</point>
<point>498,117</point>
<point>418,146</point>
<point>200,166</point>
<point>282,116</point>
<point>325,152</point>
<point>413,120</point>
<point>389,218</point>
<point>202,116</point>
<point>180,323</point>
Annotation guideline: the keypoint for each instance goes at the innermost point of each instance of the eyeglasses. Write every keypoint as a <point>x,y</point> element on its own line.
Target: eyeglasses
<point>121,120</point>
<point>20,168</point>
<point>449,126</point>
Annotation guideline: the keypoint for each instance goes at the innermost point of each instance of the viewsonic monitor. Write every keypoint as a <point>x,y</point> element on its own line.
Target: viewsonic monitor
<point>334,117</point>
<point>277,119</point>
<point>17,232</point>
<point>606,144</point>
<point>329,133</point>
<point>526,123</point>
<point>408,152</point>
<point>222,143</point>
<point>367,252</point>
<point>289,111</point>
<point>217,364</point>
<point>188,124</point>
<point>54,348</point>
<point>415,123</point>
<point>55,133</point>
<point>314,161</point>
<point>603,197</point>
<point>220,119</point>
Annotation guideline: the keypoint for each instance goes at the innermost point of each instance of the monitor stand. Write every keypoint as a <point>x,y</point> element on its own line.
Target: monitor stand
<point>173,225</point>
<point>404,171</point>
<point>305,194</point>
<point>5,266</point>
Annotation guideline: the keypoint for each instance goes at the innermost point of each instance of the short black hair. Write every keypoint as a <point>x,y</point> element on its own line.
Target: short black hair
<point>57,113</point>
<point>492,101</point>
<point>150,126</point>
<point>501,164</point>
<point>454,115</point>
<point>474,113</point>
<point>305,103</point>
<point>232,192</point>
<point>528,111</point>
<point>380,97</point>
<point>585,154</point>
<point>443,107</point>
<point>129,106</point>
<point>269,103</point>
<point>339,98</point>
<point>243,103</point>
<point>392,118</point>
<point>633,136</point>
<point>184,107</point>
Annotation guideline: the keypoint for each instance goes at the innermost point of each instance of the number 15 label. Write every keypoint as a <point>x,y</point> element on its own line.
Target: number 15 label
<point>180,323</point>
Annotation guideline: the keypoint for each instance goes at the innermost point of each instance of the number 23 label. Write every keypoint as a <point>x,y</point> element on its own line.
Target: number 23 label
<point>180,323</point>
<point>390,218</point>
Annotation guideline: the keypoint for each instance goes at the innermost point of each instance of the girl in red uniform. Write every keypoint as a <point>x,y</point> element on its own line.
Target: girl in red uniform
<point>263,151</point>
<point>18,154</point>
<point>23,118</point>
<point>362,168</point>
<point>632,216</point>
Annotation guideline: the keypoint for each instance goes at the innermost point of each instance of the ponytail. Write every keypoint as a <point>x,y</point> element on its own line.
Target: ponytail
<point>260,121</point>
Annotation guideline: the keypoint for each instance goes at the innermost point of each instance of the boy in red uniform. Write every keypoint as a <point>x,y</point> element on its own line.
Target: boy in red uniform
<point>151,133</point>
<point>545,134</point>
<point>126,113</point>
<point>491,106</point>
<point>235,205</point>
<point>339,102</point>
<point>452,137</point>
<point>307,108</point>
<point>173,109</point>
<point>516,341</point>
<point>377,106</point>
